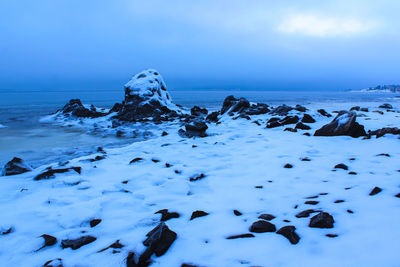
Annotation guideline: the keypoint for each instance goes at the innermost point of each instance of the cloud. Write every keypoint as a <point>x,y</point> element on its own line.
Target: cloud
<point>322,26</point>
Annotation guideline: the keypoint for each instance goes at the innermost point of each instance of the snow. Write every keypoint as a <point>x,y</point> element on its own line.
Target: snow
<point>343,119</point>
<point>2,126</point>
<point>237,156</point>
<point>150,85</point>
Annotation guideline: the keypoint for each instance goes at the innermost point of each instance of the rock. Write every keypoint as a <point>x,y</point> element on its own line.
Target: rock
<point>289,233</point>
<point>50,173</point>
<point>136,160</point>
<point>338,201</point>
<point>375,191</point>
<point>14,167</point>
<point>302,126</point>
<point>266,216</point>
<point>144,260</point>
<point>273,124</point>
<point>289,120</point>
<point>307,119</point>
<point>198,111</point>
<point>300,108</point>
<point>237,213</point>
<point>386,106</point>
<point>194,129</point>
<point>383,155</point>
<point>378,111</point>
<point>54,263</point>
<point>197,214</point>
<point>240,236</point>
<point>159,240</point>
<point>77,243</point>
<point>115,245</point>
<point>331,235</point>
<point>381,132</point>
<point>305,213</point>
<point>305,159</point>
<point>75,108</point>
<point>356,108</point>
<point>164,133</point>
<point>322,220</point>
<point>352,173</point>
<point>94,222</point>
<point>6,232</point>
<point>282,110</point>
<point>307,134</point>
<point>48,241</point>
<point>324,113</point>
<point>146,97</point>
<point>166,215</point>
<point>197,177</point>
<point>343,124</point>
<point>288,166</point>
<point>188,265</point>
<point>288,129</point>
<point>262,226</point>
<point>213,116</point>
<point>311,202</point>
<point>341,166</point>
<point>232,104</point>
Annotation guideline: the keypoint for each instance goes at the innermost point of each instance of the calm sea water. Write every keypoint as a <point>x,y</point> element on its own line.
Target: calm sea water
<point>39,144</point>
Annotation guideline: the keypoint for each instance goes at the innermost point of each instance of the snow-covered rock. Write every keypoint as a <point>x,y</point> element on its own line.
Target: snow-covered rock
<point>75,108</point>
<point>14,167</point>
<point>343,124</point>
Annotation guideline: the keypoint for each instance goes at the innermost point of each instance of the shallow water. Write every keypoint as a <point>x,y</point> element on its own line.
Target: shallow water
<point>39,143</point>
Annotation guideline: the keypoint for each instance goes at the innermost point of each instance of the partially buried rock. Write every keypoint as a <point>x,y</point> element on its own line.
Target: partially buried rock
<point>54,263</point>
<point>386,106</point>
<point>194,129</point>
<point>375,191</point>
<point>159,240</point>
<point>77,243</point>
<point>94,222</point>
<point>75,108</point>
<point>282,110</point>
<point>322,220</point>
<point>48,241</point>
<point>240,236</point>
<point>324,113</point>
<point>302,126</point>
<point>341,166</point>
<point>381,132</point>
<point>307,119</point>
<point>198,111</point>
<point>115,245</point>
<point>50,173</point>
<point>232,104</point>
<point>237,213</point>
<point>288,166</point>
<point>262,226</point>
<point>166,215</point>
<point>305,213</point>
<point>14,167</point>
<point>213,116</point>
<point>197,214</point>
<point>289,233</point>
<point>266,216</point>
<point>343,124</point>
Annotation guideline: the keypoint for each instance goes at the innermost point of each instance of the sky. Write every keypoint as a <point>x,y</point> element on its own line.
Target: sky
<point>203,44</point>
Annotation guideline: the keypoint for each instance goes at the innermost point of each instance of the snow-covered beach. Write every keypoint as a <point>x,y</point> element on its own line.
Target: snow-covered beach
<point>254,187</point>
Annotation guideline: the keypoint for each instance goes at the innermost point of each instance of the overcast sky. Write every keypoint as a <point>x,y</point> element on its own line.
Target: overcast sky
<point>209,44</point>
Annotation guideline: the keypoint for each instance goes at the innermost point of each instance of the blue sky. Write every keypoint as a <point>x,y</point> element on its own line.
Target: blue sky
<point>271,45</point>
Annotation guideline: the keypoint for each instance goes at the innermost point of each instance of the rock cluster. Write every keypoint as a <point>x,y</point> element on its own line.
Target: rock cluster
<point>343,124</point>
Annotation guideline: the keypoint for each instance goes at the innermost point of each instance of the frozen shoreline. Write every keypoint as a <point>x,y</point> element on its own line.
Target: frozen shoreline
<point>243,168</point>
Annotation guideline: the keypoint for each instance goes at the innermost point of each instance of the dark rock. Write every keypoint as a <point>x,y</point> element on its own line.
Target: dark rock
<point>324,113</point>
<point>198,111</point>
<point>164,133</point>
<point>398,195</point>
<point>237,213</point>
<point>262,226</point>
<point>307,134</point>
<point>159,240</point>
<point>144,260</point>
<point>341,166</point>
<point>155,160</point>
<point>290,130</point>
<point>14,167</point>
<point>50,173</point>
<point>213,116</point>
<point>259,186</point>
<point>375,191</point>
<point>116,108</point>
<point>302,126</point>
<point>97,158</point>
<point>312,197</point>
<point>386,106</point>
<point>54,263</point>
<point>136,160</point>
<point>352,173</point>
<point>77,243</point>
<point>384,155</point>
<point>289,233</point>
<point>282,110</point>
<point>364,109</point>
<point>273,124</point>
<point>311,202</point>
<point>94,222</point>
<point>322,220</point>
<point>305,159</point>
<point>75,108</point>
<point>300,108</point>
<point>197,177</point>
<point>166,215</point>
<point>288,166</point>
<point>188,265</point>
<point>289,120</point>
<point>48,241</point>
<point>381,132</point>
<point>343,124</point>
<point>115,245</point>
<point>257,109</point>
<point>339,201</point>
<point>266,216</point>
<point>8,231</point>
<point>356,108</point>
<point>197,214</point>
<point>233,104</point>
<point>240,236</point>
<point>307,119</point>
<point>331,235</point>
<point>350,211</point>
<point>194,129</point>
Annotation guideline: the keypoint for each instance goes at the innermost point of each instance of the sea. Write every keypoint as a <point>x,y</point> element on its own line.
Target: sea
<point>22,135</point>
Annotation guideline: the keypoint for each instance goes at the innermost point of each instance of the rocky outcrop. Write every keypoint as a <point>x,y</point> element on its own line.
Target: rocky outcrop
<point>14,167</point>
<point>198,111</point>
<point>75,108</point>
<point>386,106</point>
<point>343,124</point>
<point>243,106</point>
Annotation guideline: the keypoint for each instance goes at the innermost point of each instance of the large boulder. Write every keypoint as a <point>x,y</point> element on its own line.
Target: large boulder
<point>14,167</point>
<point>146,97</point>
<point>343,124</point>
<point>75,108</point>
<point>243,106</point>
<point>195,128</point>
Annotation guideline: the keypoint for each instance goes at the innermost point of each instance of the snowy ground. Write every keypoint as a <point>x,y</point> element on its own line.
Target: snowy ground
<point>237,157</point>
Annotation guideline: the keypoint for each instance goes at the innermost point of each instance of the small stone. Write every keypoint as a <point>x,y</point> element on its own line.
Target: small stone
<point>237,213</point>
<point>288,166</point>
<point>332,235</point>
<point>14,167</point>
<point>305,159</point>
<point>54,263</point>
<point>8,231</point>
<point>262,226</point>
<point>322,220</point>
<point>77,243</point>
<point>240,236</point>
<point>339,201</point>
<point>302,126</point>
<point>289,233</point>
<point>398,195</point>
<point>164,133</point>
<point>375,191</point>
<point>155,160</point>
<point>266,216</point>
<point>352,173</point>
<point>94,222</point>
<point>166,215</point>
<point>383,155</point>
<point>197,177</point>
<point>341,166</point>
<point>305,213</point>
<point>197,214</point>
<point>312,197</point>
<point>136,160</point>
<point>311,202</point>
<point>259,186</point>
<point>350,211</point>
